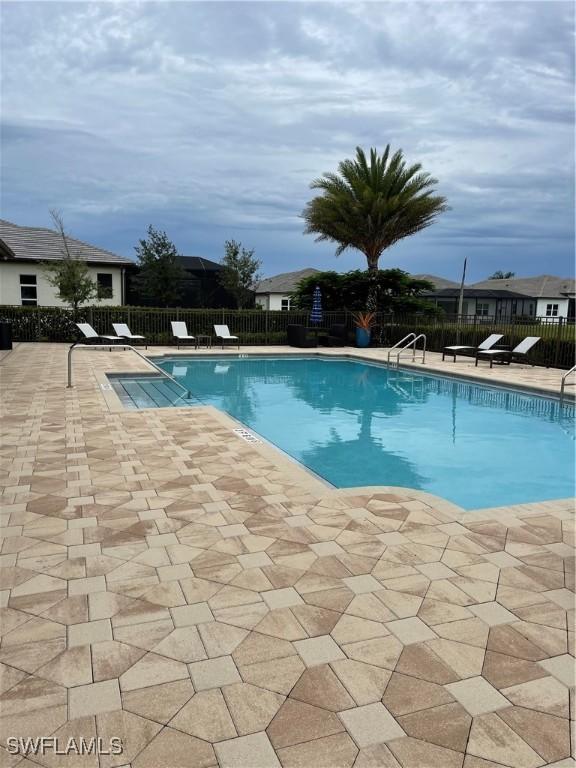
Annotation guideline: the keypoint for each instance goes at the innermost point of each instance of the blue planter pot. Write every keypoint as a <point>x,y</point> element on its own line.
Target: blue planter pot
<point>362,337</point>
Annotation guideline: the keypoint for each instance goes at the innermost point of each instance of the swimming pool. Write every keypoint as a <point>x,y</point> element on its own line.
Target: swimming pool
<point>355,424</point>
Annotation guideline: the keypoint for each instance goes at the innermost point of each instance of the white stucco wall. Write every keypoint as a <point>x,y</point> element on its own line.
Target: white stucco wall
<point>10,284</point>
<point>562,307</point>
<point>272,301</point>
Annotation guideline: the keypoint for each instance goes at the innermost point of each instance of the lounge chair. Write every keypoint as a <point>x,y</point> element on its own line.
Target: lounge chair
<point>459,348</point>
<point>516,355</point>
<point>123,330</point>
<point>223,333</point>
<point>91,334</point>
<point>180,332</point>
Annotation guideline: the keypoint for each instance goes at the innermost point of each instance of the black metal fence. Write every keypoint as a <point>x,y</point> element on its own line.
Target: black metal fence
<point>261,327</point>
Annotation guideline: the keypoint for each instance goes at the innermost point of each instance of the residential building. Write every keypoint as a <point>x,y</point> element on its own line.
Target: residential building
<point>23,279</point>
<point>275,292</point>
<point>544,296</point>
<point>201,288</point>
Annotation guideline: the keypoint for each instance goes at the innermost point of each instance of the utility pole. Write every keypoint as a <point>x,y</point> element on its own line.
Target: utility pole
<point>461,301</point>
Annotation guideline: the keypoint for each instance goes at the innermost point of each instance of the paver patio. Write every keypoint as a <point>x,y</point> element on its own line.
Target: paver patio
<point>211,603</point>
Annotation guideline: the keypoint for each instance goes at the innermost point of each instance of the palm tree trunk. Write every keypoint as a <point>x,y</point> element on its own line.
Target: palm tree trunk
<point>372,299</point>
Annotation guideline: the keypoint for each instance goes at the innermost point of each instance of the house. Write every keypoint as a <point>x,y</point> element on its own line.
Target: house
<point>550,296</point>
<point>544,296</point>
<point>275,292</point>
<point>23,281</point>
<point>201,288</point>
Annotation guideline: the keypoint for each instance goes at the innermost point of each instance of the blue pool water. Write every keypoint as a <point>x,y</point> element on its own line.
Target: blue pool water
<point>357,424</point>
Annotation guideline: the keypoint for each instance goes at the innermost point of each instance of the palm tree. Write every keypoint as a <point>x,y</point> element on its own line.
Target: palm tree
<point>371,206</point>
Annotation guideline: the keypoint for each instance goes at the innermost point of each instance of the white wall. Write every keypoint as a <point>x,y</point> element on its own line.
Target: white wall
<point>271,301</point>
<point>10,284</point>
<point>562,307</point>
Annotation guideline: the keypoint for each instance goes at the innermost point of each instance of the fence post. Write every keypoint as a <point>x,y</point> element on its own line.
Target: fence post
<point>37,324</point>
<point>266,328</point>
<point>91,316</point>
<point>558,342</point>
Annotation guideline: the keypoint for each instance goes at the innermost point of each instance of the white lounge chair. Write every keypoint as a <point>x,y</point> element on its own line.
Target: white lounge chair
<point>223,333</point>
<point>458,348</point>
<point>520,352</point>
<point>180,332</point>
<point>123,330</point>
<point>90,333</point>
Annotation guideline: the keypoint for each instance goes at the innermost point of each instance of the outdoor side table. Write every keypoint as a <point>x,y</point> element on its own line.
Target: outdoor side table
<point>203,339</point>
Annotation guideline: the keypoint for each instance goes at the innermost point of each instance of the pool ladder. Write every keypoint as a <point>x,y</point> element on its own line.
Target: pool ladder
<point>563,384</point>
<point>408,342</point>
<point>78,345</point>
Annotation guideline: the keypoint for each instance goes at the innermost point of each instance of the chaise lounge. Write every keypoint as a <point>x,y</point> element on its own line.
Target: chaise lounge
<point>125,332</point>
<point>222,332</point>
<point>90,334</point>
<point>461,348</point>
<point>517,355</point>
<point>180,332</point>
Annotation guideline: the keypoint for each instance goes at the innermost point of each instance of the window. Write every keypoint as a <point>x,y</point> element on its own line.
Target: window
<point>482,309</point>
<point>104,282</point>
<point>285,305</point>
<point>551,310</point>
<point>28,290</point>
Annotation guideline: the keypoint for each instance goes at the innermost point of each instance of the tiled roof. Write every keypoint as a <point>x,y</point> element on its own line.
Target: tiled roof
<point>39,244</point>
<point>439,282</point>
<point>286,282</point>
<point>542,286</point>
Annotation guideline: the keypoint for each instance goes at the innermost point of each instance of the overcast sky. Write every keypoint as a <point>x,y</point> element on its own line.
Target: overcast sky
<point>209,120</point>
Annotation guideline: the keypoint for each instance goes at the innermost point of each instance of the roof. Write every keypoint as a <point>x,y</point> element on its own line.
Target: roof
<point>199,264</point>
<point>39,244</point>
<point>540,287</point>
<point>439,282</point>
<point>286,282</point>
<point>480,293</point>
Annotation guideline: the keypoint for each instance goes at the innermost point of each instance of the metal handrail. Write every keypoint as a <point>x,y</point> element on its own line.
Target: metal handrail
<point>564,377</point>
<point>413,345</point>
<point>408,336</point>
<point>78,345</point>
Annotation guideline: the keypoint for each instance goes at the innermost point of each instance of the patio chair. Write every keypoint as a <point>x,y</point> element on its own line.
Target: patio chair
<point>91,335</point>
<point>337,336</point>
<point>459,348</point>
<point>517,355</point>
<point>298,337</point>
<point>123,330</point>
<point>180,332</point>
<point>222,332</point>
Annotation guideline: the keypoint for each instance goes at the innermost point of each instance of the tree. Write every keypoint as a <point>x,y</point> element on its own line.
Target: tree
<point>371,205</point>
<point>499,275</point>
<point>398,292</point>
<point>69,275</point>
<point>240,274</point>
<point>161,274</point>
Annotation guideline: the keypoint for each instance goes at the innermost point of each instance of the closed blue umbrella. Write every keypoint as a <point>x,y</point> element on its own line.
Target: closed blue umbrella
<point>316,314</point>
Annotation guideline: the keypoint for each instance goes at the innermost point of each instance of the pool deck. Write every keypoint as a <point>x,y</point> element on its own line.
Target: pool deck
<point>211,603</point>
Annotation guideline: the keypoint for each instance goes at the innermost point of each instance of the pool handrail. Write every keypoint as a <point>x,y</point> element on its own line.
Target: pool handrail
<point>78,345</point>
<point>563,383</point>
<point>411,335</point>
<point>413,345</point>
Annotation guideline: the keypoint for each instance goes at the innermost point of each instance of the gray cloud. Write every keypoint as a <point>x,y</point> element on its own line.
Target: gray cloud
<point>211,119</point>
